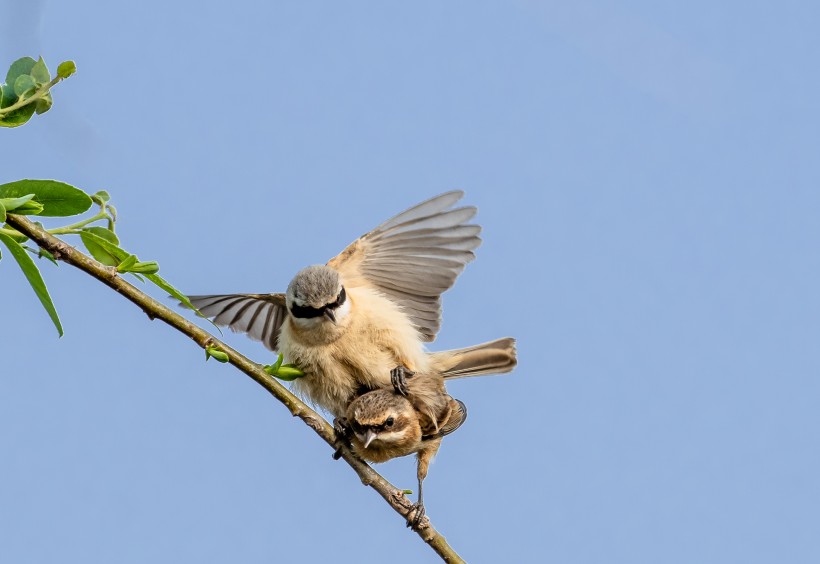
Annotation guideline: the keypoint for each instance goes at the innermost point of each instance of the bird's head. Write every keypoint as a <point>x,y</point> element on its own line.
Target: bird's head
<point>316,295</point>
<point>382,418</point>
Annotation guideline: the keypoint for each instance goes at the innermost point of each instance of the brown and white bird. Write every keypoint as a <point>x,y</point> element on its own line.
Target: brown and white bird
<point>384,424</point>
<point>360,322</point>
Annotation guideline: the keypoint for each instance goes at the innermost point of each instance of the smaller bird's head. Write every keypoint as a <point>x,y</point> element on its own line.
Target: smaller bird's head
<point>317,293</point>
<point>383,418</point>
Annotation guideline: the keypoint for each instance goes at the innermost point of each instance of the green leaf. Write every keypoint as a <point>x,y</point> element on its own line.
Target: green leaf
<point>16,235</point>
<point>41,253</point>
<point>66,69</point>
<point>126,265</point>
<point>213,352</point>
<point>19,67</point>
<point>273,369</point>
<point>2,213</point>
<point>24,84</point>
<point>100,197</point>
<point>102,244</point>
<point>14,203</point>
<point>39,72</point>
<point>165,285</point>
<point>288,373</point>
<point>58,198</point>
<point>44,104</point>
<point>19,116</point>
<point>34,278</point>
<point>47,255</point>
<point>106,234</point>
<point>146,268</point>
<point>24,205</point>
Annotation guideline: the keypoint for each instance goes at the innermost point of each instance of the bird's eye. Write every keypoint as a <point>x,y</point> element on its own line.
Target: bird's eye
<point>389,422</point>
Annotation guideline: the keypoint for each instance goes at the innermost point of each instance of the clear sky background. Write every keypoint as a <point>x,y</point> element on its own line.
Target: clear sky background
<point>648,182</point>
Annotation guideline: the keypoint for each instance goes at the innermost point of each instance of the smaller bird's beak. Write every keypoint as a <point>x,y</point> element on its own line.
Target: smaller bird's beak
<point>369,437</point>
<point>330,315</point>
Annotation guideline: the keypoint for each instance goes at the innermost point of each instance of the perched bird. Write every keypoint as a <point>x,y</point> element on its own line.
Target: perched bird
<point>384,424</point>
<point>360,322</point>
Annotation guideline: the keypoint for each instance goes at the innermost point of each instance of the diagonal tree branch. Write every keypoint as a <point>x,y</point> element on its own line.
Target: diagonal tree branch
<point>155,310</point>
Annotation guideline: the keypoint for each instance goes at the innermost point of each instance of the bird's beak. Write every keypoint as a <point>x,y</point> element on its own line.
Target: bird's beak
<point>369,437</point>
<point>330,315</point>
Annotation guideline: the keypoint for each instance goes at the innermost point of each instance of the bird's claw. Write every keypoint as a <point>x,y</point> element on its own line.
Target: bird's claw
<point>398,377</point>
<point>415,516</point>
<point>343,431</point>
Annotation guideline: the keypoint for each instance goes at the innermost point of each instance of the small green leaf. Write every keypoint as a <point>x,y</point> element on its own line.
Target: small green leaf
<point>58,198</point>
<point>47,255</point>
<point>165,285</point>
<point>24,84</point>
<point>43,104</point>
<point>34,278</point>
<point>126,265</point>
<point>148,267</point>
<point>273,369</point>
<point>24,205</point>
<point>97,241</point>
<point>19,116</point>
<point>16,235</point>
<point>213,352</point>
<point>14,203</point>
<point>30,208</point>
<point>288,373</point>
<point>100,197</point>
<point>18,68</point>
<point>407,492</point>
<point>66,69</point>
<point>106,234</point>
<point>278,362</point>
<point>41,253</point>
<point>39,72</point>
<point>2,213</point>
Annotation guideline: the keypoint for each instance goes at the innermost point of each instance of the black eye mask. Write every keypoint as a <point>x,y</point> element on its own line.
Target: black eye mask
<point>307,312</point>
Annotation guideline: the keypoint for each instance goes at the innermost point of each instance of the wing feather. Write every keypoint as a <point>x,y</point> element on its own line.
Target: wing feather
<point>458,415</point>
<point>260,316</point>
<point>424,209</point>
<point>415,257</point>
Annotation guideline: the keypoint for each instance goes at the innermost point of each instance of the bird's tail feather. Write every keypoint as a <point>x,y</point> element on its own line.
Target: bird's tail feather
<point>495,357</point>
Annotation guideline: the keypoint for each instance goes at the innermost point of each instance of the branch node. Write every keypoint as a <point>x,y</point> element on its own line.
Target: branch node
<point>313,423</point>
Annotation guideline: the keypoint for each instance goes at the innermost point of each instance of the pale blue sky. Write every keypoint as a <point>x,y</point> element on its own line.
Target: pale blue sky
<point>648,183</point>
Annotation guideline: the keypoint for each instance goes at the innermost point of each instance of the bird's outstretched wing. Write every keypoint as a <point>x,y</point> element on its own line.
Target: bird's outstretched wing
<point>259,315</point>
<point>414,257</point>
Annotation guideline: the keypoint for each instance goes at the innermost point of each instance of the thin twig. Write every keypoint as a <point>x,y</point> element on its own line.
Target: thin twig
<point>155,310</point>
